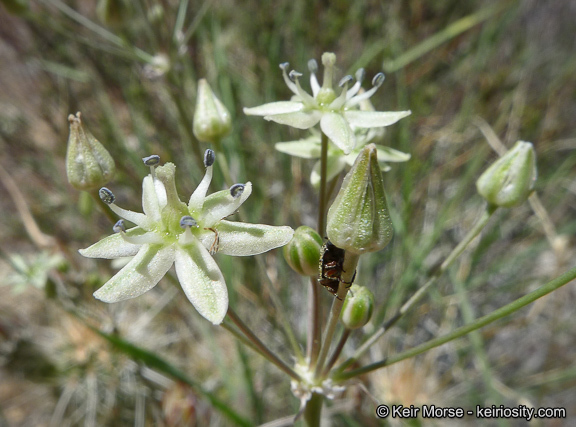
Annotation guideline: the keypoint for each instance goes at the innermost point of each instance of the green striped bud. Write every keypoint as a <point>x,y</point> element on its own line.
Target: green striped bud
<point>212,120</point>
<point>358,307</point>
<point>358,220</point>
<point>88,164</point>
<point>510,179</point>
<point>302,253</point>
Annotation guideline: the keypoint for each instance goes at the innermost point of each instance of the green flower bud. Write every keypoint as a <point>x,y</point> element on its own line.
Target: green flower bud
<point>302,253</point>
<point>358,220</point>
<point>358,307</point>
<point>510,179</point>
<point>212,120</point>
<point>88,163</point>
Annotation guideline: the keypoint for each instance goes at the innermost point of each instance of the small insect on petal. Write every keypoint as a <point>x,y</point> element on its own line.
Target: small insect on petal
<point>119,227</point>
<point>152,160</point>
<point>236,190</point>
<point>188,221</point>
<point>106,196</point>
<point>209,157</point>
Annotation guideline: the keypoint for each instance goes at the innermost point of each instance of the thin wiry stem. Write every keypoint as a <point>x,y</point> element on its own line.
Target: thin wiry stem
<point>261,346</point>
<point>508,309</point>
<point>322,201</point>
<point>314,330</point>
<point>478,227</point>
<point>337,351</point>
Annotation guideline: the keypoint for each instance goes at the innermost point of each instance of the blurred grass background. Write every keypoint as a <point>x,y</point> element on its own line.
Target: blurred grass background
<point>467,70</point>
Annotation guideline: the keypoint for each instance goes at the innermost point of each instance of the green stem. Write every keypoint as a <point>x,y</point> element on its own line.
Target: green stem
<point>263,349</point>
<point>314,330</point>
<point>348,270</point>
<point>223,163</point>
<point>422,291</point>
<point>322,201</point>
<point>313,411</point>
<point>463,330</point>
<point>337,351</point>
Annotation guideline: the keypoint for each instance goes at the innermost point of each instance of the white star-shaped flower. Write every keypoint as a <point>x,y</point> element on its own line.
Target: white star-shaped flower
<point>171,232</point>
<point>337,114</point>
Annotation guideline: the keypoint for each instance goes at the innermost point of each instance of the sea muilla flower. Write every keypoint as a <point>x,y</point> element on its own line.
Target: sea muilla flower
<point>310,148</point>
<point>171,232</point>
<point>337,114</point>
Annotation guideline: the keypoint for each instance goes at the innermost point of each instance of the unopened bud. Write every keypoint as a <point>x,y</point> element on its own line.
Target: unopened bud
<point>88,163</point>
<point>510,179</point>
<point>358,307</point>
<point>358,220</point>
<point>302,253</point>
<point>212,120</point>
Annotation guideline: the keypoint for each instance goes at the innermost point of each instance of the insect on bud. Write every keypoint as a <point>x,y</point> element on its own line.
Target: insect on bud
<point>302,253</point>
<point>510,179</point>
<point>106,196</point>
<point>358,307</point>
<point>209,158</point>
<point>88,164</point>
<point>212,120</point>
<point>358,220</point>
<point>236,190</point>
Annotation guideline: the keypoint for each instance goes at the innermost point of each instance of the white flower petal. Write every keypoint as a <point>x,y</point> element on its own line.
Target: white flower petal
<point>134,217</point>
<point>139,275</point>
<point>338,130</point>
<point>114,246</point>
<point>221,204</point>
<point>334,165</point>
<point>280,107</point>
<point>243,239</point>
<point>150,203</point>
<point>298,120</point>
<point>202,281</point>
<point>371,119</point>
<point>387,154</point>
<point>308,148</point>
<point>197,198</point>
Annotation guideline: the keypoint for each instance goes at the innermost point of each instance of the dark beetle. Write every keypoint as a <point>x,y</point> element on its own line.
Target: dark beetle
<point>331,263</point>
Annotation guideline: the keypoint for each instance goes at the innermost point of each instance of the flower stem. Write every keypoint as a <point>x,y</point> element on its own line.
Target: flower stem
<point>313,411</point>
<point>323,199</point>
<point>337,351</point>
<point>478,227</point>
<point>314,331</point>
<point>348,270</point>
<point>223,162</point>
<point>463,330</point>
<point>260,345</point>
